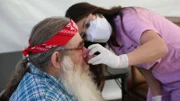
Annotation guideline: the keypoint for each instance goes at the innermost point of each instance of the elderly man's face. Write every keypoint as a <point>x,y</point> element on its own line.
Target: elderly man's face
<point>75,74</point>
<point>77,50</point>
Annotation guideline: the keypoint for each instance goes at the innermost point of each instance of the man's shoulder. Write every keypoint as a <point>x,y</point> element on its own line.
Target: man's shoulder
<point>35,83</point>
<point>33,87</point>
<point>44,94</point>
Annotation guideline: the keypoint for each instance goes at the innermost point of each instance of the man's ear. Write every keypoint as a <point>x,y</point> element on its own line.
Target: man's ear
<point>55,59</point>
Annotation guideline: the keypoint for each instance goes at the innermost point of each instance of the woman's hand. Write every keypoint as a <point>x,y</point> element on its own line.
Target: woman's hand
<point>107,57</point>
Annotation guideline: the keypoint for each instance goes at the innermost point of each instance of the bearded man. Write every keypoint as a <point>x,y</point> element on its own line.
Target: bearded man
<point>54,68</point>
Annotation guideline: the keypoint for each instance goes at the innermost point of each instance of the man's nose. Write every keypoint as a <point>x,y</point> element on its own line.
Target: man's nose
<point>86,54</point>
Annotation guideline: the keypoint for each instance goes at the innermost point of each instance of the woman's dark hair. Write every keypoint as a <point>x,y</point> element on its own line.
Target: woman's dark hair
<point>43,31</point>
<point>80,10</point>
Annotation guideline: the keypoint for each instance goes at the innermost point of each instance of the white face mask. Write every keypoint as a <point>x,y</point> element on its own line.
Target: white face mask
<point>99,31</point>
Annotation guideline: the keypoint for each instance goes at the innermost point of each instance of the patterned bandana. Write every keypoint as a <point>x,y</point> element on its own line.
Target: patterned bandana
<point>60,39</point>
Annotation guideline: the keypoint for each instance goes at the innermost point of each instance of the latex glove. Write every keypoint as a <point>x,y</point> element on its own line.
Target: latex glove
<point>157,98</point>
<point>107,57</point>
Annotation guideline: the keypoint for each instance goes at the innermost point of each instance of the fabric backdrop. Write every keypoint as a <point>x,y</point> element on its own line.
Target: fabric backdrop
<point>17,17</point>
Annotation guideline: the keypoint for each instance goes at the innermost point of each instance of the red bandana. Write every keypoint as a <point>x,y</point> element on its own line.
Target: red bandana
<point>60,39</point>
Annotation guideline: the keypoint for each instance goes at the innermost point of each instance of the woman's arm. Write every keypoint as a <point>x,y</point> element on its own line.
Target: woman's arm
<point>153,47</point>
<point>154,84</point>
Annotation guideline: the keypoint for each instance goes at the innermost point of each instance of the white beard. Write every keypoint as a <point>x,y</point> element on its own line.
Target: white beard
<point>77,80</point>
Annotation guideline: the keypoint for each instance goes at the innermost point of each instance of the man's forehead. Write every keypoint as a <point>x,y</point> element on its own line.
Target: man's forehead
<point>75,41</point>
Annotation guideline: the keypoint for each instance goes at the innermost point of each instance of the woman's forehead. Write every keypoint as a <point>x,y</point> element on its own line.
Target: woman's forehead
<point>85,19</point>
<point>81,22</point>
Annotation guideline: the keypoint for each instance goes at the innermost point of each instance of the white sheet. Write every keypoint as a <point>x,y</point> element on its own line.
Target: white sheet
<point>17,17</point>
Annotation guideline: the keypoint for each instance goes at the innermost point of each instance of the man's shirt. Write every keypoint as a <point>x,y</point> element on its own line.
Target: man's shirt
<point>37,85</point>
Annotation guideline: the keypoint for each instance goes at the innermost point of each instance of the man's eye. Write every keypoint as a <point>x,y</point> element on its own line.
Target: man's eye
<point>87,25</point>
<point>84,36</point>
<point>81,46</point>
<point>82,33</point>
